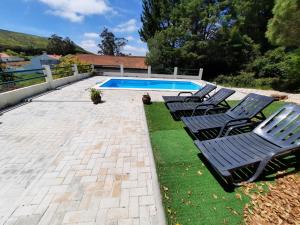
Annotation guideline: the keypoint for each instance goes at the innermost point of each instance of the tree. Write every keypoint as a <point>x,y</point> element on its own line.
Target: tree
<point>110,45</point>
<point>252,16</point>
<point>60,46</point>
<point>155,17</point>
<point>284,27</point>
<point>69,46</point>
<point>201,34</point>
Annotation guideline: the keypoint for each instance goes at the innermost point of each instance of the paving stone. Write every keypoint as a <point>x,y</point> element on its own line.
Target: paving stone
<point>146,200</point>
<point>80,216</point>
<point>88,179</point>
<point>138,191</point>
<point>121,213</point>
<point>28,220</point>
<point>109,203</point>
<point>50,212</point>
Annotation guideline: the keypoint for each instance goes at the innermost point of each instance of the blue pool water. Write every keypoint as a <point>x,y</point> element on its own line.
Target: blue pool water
<point>150,84</point>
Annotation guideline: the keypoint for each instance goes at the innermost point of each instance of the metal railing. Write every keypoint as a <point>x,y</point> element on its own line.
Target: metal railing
<point>162,70</point>
<point>189,72</point>
<point>11,80</point>
<point>84,68</point>
<point>107,68</point>
<point>62,71</point>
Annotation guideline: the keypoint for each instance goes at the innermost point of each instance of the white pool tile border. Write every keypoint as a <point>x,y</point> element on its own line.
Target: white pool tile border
<point>97,86</point>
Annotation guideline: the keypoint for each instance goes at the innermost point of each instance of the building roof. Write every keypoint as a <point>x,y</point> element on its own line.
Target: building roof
<point>4,55</point>
<point>134,62</point>
<point>55,56</point>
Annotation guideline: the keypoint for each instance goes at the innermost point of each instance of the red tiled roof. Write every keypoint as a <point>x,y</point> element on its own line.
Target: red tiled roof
<point>134,62</point>
<point>4,55</point>
<point>55,56</point>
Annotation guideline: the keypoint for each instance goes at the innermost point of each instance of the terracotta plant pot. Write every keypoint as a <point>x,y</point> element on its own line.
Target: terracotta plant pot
<point>279,97</point>
<point>146,99</point>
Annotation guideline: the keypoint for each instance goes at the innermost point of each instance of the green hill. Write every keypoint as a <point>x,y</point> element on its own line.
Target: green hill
<point>25,42</point>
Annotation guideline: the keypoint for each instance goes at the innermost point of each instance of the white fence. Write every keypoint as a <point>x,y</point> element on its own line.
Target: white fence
<point>121,72</point>
<point>13,97</point>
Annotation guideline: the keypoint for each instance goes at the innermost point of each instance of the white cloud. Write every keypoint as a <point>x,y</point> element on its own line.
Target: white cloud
<point>138,51</point>
<point>130,38</point>
<point>89,45</point>
<point>91,35</point>
<point>77,10</point>
<point>129,26</point>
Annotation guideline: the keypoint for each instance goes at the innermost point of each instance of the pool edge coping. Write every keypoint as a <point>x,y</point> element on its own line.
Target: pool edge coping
<point>146,89</point>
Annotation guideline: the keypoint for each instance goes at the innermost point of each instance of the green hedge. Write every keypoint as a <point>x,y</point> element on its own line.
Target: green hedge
<point>278,69</point>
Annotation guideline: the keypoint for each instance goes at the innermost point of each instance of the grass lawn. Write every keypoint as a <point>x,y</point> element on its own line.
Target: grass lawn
<point>191,194</point>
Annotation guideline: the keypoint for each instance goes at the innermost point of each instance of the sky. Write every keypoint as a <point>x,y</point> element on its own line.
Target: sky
<point>81,20</point>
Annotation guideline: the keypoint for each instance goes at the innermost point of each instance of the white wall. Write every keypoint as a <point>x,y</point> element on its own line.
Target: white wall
<point>11,98</point>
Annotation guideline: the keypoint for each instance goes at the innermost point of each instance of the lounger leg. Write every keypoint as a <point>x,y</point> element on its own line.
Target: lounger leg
<point>259,170</point>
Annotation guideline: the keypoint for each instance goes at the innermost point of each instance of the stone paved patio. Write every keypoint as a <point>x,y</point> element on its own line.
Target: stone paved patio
<point>64,160</point>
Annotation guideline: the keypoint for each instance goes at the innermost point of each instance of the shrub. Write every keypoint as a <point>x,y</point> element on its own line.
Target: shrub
<point>290,81</point>
<point>95,95</point>
<point>278,68</point>
<point>245,80</point>
<point>272,64</point>
<point>65,67</point>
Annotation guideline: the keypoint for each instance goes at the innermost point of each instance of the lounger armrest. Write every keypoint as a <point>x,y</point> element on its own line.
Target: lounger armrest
<point>239,121</point>
<point>188,98</point>
<point>237,127</point>
<point>216,109</point>
<point>185,92</point>
<point>201,105</point>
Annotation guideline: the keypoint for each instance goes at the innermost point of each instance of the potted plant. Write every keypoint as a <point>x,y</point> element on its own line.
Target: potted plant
<point>95,95</point>
<point>146,99</point>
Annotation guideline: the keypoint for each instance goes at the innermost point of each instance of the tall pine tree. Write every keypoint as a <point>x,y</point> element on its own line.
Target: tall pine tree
<point>155,17</point>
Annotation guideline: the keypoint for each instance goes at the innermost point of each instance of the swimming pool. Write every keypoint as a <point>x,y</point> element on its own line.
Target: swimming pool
<point>149,84</point>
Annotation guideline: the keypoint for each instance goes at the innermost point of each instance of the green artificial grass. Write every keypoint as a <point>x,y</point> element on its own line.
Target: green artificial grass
<point>191,193</point>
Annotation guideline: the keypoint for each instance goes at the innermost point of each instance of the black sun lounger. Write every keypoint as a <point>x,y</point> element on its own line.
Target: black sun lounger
<point>241,115</point>
<point>276,137</point>
<point>217,101</point>
<point>197,97</point>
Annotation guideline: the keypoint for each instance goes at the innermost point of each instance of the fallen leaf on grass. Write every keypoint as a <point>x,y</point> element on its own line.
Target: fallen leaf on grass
<point>233,211</point>
<point>166,196</point>
<point>238,196</point>
<point>280,205</point>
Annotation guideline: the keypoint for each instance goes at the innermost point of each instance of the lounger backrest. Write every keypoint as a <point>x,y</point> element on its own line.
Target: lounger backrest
<point>220,96</point>
<point>283,127</point>
<point>250,106</point>
<point>205,90</point>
